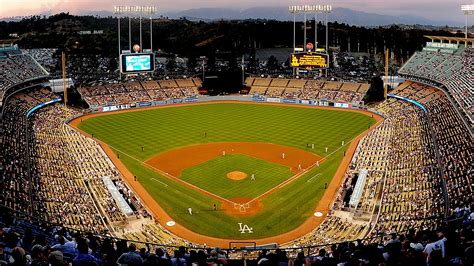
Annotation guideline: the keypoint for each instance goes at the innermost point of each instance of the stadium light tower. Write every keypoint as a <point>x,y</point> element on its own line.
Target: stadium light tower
<point>131,10</point>
<point>294,11</point>
<point>135,10</point>
<point>468,10</point>
<point>308,9</point>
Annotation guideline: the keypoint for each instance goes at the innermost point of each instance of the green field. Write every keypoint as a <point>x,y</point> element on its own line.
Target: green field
<point>211,176</point>
<point>158,130</point>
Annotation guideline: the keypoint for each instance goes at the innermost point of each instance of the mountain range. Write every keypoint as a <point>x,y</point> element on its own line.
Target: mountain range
<point>339,14</point>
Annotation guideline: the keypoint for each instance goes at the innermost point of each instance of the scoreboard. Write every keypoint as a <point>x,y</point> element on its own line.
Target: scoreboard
<point>137,63</point>
<point>310,60</point>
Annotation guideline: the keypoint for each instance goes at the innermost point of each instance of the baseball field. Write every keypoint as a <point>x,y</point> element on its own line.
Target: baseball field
<point>264,166</point>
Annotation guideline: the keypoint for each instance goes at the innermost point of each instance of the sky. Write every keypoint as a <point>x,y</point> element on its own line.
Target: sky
<point>442,9</point>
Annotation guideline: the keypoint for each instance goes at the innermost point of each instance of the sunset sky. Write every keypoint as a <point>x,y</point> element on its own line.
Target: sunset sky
<point>441,9</point>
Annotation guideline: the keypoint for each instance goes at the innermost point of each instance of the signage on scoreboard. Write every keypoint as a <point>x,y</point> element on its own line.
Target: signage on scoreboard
<point>310,60</point>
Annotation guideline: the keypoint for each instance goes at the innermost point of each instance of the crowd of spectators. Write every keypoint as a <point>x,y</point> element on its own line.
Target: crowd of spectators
<point>451,68</point>
<point>16,68</point>
<point>139,91</point>
<point>47,58</point>
<point>24,244</point>
<point>44,162</point>
<point>16,183</point>
<point>412,195</point>
<point>454,141</point>
<point>66,163</point>
<point>308,89</point>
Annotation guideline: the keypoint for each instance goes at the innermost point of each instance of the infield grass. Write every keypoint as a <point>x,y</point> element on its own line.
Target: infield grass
<point>158,130</point>
<point>212,176</point>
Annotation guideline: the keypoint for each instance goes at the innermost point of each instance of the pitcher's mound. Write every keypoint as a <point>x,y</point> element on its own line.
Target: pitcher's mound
<point>236,175</point>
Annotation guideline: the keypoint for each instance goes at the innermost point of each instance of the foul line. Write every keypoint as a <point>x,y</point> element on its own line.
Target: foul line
<point>309,180</point>
<point>184,182</point>
<point>164,184</point>
<point>158,170</point>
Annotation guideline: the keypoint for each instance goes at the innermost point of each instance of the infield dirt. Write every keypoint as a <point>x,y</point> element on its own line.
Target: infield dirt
<point>189,156</point>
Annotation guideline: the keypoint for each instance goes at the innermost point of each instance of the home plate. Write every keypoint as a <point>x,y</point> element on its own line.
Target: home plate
<point>170,223</point>
<point>318,214</point>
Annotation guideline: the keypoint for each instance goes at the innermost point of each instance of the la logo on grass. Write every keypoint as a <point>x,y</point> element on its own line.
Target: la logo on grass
<point>245,229</point>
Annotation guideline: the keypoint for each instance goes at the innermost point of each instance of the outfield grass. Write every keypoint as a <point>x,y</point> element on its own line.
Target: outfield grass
<point>211,176</point>
<point>158,130</point>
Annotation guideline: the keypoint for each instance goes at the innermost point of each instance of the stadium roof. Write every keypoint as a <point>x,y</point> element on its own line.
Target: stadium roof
<point>457,40</point>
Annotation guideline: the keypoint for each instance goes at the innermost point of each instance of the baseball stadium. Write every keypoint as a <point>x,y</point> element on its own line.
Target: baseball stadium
<point>158,165</point>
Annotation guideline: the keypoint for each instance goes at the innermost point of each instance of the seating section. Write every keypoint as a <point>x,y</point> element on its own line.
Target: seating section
<point>412,195</point>
<point>76,168</point>
<point>139,91</point>
<point>332,230</point>
<point>155,233</point>
<point>16,68</point>
<point>452,69</point>
<point>45,161</point>
<point>456,144</point>
<point>249,81</point>
<point>308,89</point>
<point>16,183</point>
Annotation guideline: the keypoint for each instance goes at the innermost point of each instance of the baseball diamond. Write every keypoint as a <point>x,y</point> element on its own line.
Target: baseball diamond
<point>190,148</point>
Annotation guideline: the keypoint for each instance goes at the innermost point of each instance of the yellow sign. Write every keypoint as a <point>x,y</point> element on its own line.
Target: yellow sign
<point>310,60</point>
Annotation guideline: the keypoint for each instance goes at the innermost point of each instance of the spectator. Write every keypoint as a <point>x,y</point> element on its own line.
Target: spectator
<point>56,258</point>
<point>131,258</point>
<point>83,257</point>
<point>3,255</point>
<point>19,257</point>
<point>177,259</point>
<point>38,256</point>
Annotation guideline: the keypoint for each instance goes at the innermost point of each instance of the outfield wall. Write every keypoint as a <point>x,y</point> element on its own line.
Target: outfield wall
<point>243,98</point>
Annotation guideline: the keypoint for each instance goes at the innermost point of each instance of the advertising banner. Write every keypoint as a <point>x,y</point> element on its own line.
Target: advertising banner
<point>305,102</point>
<point>144,104</point>
<point>190,100</point>
<point>258,99</point>
<point>162,102</point>
<point>286,100</point>
<point>274,100</point>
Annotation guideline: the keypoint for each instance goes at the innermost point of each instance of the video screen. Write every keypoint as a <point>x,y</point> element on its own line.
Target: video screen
<point>133,63</point>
